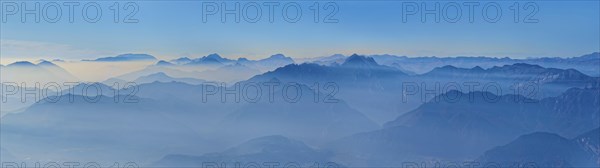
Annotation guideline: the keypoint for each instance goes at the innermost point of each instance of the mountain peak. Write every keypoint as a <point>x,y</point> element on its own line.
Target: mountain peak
<point>212,59</point>
<point>22,64</point>
<point>158,74</point>
<point>46,63</point>
<point>277,59</point>
<point>214,56</point>
<point>357,60</point>
<point>478,68</point>
<point>163,63</point>
<point>447,67</point>
<point>182,60</point>
<point>41,60</point>
<point>278,56</point>
<point>243,60</point>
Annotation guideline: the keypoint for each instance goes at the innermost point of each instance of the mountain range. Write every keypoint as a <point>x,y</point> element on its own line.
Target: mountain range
<point>380,91</point>
<point>588,64</point>
<point>356,111</point>
<point>213,61</point>
<point>212,67</point>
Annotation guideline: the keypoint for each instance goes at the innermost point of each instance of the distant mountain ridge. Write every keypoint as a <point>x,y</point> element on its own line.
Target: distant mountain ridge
<point>520,71</point>
<point>216,68</point>
<point>587,64</point>
<point>216,58</point>
<point>44,72</point>
<point>126,57</point>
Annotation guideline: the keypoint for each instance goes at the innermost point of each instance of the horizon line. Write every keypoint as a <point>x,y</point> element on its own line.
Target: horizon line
<point>295,59</point>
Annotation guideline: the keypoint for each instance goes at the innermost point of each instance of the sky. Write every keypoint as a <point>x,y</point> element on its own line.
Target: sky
<point>172,29</point>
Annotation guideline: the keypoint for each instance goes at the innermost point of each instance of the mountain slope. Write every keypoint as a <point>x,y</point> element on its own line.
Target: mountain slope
<point>362,83</point>
<point>590,142</point>
<point>542,150</point>
<point>104,131</point>
<point>461,126</point>
<point>296,115</point>
<point>229,73</point>
<point>263,150</point>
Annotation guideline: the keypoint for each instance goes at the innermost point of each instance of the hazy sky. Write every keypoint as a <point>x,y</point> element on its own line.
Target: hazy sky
<point>169,29</point>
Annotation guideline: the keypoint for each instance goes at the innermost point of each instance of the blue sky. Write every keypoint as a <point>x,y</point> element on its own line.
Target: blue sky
<point>169,29</point>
